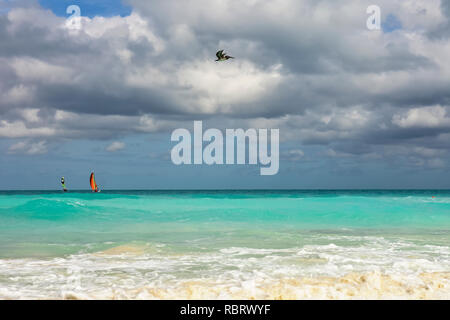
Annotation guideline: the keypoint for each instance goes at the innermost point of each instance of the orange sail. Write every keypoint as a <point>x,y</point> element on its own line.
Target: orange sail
<point>93,184</point>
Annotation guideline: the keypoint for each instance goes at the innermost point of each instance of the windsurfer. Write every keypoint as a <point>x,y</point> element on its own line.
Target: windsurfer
<point>63,183</point>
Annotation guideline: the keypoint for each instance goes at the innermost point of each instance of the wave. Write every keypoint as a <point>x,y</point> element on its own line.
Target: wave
<point>351,286</point>
<point>320,210</point>
<point>379,270</point>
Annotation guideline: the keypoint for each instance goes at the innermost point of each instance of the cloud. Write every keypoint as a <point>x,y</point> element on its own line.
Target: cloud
<point>442,30</point>
<point>436,163</point>
<point>309,68</point>
<point>426,117</point>
<point>295,154</point>
<point>337,154</point>
<point>115,146</point>
<point>18,129</point>
<point>28,148</point>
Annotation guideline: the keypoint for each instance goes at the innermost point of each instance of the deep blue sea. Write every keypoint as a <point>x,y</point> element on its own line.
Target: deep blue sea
<point>327,244</point>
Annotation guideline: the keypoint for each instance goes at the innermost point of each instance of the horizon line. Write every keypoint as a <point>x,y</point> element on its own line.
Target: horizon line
<point>246,189</point>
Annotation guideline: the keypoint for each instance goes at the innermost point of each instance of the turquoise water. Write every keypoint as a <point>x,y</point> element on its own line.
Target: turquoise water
<point>162,240</point>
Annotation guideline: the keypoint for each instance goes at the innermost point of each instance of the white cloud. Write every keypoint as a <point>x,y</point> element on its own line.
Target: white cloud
<point>19,94</point>
<point>295,154</point>
<point>224,88</point>
<point>115,146</point>
<point>37,148</point>
<point>31,69</point>
<point>30,115</point>
<point>19,146</point>
<point>428,152</point>
<point>29,148</point>
<point>426,117</point>
<point>337,154</point>
<point>18,129</point>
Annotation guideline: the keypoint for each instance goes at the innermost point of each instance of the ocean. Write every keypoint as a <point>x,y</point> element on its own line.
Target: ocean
<point>308,244</point>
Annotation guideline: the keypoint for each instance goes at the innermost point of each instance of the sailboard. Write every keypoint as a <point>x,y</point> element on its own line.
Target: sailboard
<point>63,184</point>
<point>94,185</point>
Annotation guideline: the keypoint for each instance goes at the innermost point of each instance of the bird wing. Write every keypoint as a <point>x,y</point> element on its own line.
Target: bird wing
<point>219,54</point>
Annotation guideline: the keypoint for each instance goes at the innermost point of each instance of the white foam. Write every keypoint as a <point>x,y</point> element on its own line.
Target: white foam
<point>369,266</point>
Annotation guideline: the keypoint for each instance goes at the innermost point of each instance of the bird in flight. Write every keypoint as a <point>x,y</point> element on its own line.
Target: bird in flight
<point>221,56</point>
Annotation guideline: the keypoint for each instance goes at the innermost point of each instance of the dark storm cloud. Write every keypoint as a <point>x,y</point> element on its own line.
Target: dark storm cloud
<point>93,100</point>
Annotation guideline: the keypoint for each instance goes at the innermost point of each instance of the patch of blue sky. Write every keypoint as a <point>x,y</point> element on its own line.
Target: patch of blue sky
<point>391,23</point>
<point>89,8</point>
<point>5,6</point>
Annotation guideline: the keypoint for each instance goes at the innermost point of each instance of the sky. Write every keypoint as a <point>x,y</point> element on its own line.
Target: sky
<point>356,108</point>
